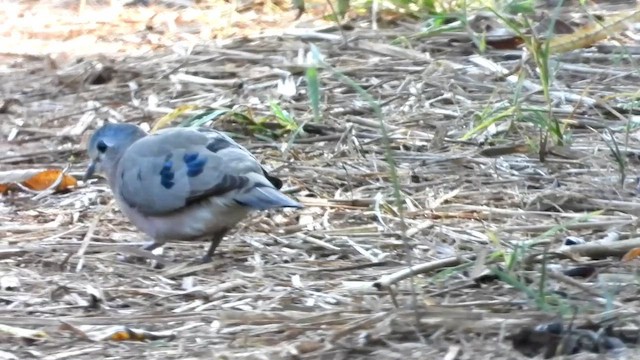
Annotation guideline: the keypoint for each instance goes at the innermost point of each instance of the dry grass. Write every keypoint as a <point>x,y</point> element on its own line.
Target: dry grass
<point>314,284</point>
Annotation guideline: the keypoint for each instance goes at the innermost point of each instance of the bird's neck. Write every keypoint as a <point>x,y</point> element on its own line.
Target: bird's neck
<point>112,172</point>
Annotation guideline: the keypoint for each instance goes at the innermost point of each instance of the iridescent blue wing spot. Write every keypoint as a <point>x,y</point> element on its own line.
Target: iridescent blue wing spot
<point>195,164</point>
<point>189,157</point>
<point>167,174</point>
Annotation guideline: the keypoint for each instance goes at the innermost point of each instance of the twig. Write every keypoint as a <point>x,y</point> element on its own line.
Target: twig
<point>318,242</point>
<point>587,289</point>
<point>603,249</point>
<point>358,267</point>
<point>387,280</point>
<point>85,242</point>
<point>88,236</point>
<point>335,14</point>
<point>357,325</point>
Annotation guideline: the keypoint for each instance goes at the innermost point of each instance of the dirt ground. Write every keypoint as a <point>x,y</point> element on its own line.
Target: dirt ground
<point>324,282</point>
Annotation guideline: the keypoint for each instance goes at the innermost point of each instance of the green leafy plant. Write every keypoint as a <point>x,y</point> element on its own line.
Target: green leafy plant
<point>283,118</point>
<point>540,53</point>
<point>276,125</point>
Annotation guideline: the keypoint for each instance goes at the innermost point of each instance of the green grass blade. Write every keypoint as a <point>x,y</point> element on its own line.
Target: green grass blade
<point>205,117</point>
<point>313,92</point>
<point>343,7</point>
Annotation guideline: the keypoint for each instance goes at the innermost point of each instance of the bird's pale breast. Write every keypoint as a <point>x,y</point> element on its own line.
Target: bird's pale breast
<point>191,223</point>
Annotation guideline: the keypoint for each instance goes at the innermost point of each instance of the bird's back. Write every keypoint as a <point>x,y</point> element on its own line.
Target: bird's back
<point>177,167</point>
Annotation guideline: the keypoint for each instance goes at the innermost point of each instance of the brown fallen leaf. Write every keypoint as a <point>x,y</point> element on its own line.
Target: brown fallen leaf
<point>47,178</point>
<point>35,180</point>
<point>631,254</point>
<point>129,334</point>
<point>115,333</point>
<point>505,150</point>
<point>504,42</point>
<point>307,346</point>
<point>593,32</point>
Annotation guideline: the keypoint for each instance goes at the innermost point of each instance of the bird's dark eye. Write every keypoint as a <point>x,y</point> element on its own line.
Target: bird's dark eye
<point>102,147</point>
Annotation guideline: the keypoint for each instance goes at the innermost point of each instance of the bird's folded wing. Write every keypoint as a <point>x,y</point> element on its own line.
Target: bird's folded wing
<point>173,169</point>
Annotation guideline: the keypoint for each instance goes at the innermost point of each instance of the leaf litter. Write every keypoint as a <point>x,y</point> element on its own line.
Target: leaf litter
<point>332,280</point>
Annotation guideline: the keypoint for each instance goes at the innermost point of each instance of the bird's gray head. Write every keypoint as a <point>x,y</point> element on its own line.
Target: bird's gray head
<point>107,145</point>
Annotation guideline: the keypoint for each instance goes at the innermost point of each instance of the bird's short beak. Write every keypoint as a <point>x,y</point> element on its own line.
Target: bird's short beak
<point>90,170</point>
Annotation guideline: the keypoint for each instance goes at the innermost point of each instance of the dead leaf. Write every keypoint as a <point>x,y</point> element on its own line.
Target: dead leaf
<point>505,150</point>
<point>22,332</point>
<point>45,179</point>
<point>631,254</point>
<point>504,42</point>
<point>170,117</point>
<point>593,32</point>
<point>115,333</point>
<point>307,346</point>
<point>129,334</point>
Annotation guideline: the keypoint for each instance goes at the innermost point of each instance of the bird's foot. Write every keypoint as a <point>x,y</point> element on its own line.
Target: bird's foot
<point>206,259</point>
<point>132,259</point>
<point>139,260</point>
<point>141,255</point>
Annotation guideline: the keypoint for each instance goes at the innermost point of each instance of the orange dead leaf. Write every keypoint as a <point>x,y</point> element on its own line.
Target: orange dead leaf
<point>631,254</point>
<point>127,335</point>
<point>45,179</point>
<point>4,189</point>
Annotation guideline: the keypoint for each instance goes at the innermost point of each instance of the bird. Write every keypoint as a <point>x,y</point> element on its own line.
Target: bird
<point>182,183</point>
